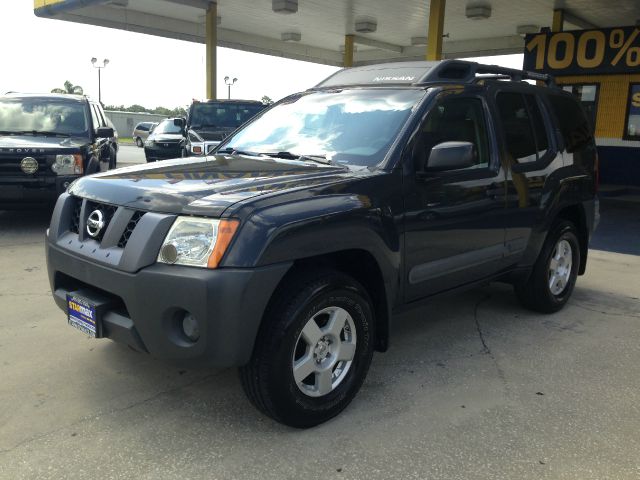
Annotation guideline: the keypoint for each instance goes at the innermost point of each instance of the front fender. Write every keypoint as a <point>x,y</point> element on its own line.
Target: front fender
<point>317,226</point>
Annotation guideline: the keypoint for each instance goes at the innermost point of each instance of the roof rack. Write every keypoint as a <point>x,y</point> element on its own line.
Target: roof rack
<point>423,73</point>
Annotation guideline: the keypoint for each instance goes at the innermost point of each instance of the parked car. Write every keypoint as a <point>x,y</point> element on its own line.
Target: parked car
<point>47,141</point>
<point>166,141</point>
<point>141,132</point>
<point>288,252</point>
<point>209,122</point>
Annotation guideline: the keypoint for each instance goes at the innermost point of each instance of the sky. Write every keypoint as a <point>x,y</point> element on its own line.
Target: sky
<point>40,54</point>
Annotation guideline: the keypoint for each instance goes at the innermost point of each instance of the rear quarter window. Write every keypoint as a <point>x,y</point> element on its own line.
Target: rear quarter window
<point>572,121</point>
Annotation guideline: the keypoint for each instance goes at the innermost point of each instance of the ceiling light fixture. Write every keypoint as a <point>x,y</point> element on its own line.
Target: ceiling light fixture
<point>527,29</point>
<point>284,6</point>
<point>366,25</point>
<point>478,12</point>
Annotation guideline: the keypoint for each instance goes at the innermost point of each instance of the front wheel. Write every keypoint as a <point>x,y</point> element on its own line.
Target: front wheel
<point>139,142</point>
<point>313,350</point>
<point>554,273</point>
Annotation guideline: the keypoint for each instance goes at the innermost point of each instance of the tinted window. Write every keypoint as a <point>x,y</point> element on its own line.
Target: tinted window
<point>539,130</point>
<point>587,95</point>
<point>94,118</point>
<point>573,123</point>
<point>517,127</point>
<point>142,126</point>
<point>454,119</point>
<point>98,115</point>
<point>229,115</point>
<point>43,114</point>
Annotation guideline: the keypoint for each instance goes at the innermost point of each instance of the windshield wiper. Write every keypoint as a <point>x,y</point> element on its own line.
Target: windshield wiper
<point>292,156</point>
<point>233,151</point>
<point>43,133</point>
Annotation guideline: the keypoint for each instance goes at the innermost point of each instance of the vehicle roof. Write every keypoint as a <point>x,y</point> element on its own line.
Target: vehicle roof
<point>426,73</point>
<point>53,96</point>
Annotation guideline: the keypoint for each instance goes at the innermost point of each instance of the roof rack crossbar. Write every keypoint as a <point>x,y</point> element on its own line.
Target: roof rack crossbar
<point>514,74</point>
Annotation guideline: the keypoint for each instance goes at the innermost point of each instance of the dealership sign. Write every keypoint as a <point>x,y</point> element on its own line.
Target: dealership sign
<point>603,51</point>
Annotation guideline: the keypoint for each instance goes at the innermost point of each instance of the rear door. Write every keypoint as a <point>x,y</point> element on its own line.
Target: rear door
<point>455,220</point>
<point>530,152</point>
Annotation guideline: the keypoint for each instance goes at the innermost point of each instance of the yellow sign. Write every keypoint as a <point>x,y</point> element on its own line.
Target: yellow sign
<point>609,50</point>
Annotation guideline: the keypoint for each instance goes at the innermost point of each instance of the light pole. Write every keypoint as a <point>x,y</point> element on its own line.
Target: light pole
<point>229,82</point>
<point>94,62</point>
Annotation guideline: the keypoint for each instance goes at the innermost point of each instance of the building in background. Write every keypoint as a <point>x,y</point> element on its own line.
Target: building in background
<point>124,122</point>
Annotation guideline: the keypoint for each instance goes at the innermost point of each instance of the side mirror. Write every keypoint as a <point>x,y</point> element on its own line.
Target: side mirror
<point>104,132</point>
<point>451,156</point>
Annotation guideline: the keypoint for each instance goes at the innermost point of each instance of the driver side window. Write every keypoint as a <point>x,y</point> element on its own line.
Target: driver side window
<point>454,119</point>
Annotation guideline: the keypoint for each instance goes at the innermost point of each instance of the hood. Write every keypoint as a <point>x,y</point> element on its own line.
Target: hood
<point>213,133</point>
<point>39,144</point>
<point>205,186</point>
<point>166,137</point>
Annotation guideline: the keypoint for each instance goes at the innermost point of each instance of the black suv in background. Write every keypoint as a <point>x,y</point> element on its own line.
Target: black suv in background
<point>166,140</point>
<point>209,122</point>
<point>288,252</point>
<point>47,141</point>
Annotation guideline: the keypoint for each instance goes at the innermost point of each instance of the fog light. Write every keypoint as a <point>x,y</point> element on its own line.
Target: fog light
<point>190,327</point>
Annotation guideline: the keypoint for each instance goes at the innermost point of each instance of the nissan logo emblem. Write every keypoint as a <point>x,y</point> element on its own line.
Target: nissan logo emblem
<point>95,223</point>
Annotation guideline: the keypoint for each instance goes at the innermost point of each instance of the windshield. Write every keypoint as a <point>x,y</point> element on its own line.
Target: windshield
<point>355,127</point>
<point>167,126</point>
<point>229,115</point>
<point>42,115</point>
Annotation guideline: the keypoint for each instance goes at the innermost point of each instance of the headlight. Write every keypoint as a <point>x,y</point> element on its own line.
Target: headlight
<point>149,143</point>
<point>197,242</point>
<point>68,164</point>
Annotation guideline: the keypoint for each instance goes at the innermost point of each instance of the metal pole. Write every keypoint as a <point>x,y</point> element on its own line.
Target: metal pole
<point>99,86</point>
<point>229,92</point>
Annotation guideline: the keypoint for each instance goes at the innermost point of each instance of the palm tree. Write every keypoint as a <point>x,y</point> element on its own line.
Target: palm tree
<point>69,88</point>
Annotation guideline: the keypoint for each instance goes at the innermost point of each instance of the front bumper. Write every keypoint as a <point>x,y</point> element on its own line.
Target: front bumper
<point>37,189</point>
<point>163,153</point>
<point>144,309</point>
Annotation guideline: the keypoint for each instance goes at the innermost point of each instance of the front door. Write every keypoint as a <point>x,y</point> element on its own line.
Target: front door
<point>455,218</point>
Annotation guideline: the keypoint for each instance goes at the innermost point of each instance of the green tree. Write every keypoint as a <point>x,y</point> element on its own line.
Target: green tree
<point>266,100</point>
<point>69,89</point>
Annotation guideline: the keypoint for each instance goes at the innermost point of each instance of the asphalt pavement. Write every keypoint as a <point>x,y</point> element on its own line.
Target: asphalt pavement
<point>130,155</point>
<point>473,387</point>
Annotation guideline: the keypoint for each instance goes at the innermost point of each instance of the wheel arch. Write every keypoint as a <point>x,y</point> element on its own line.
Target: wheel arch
<point>363,267</point>
<point>576,214</point>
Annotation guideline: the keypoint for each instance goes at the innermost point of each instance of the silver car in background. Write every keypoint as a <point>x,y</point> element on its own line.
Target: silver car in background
<point>141,132</point>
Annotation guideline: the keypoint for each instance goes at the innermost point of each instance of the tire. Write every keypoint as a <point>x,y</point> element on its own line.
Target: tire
<point>139,142</point>
<point>539,293</point>
<point>327,299</point>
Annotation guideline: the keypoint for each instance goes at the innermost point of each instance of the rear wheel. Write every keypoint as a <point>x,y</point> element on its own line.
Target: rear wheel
<point>313,350</point>
<point>555,272</point>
